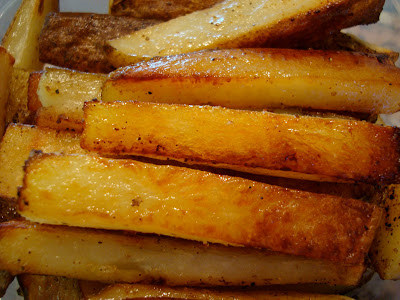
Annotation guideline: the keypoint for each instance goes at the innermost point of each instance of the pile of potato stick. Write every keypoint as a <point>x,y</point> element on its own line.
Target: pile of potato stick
<point>197,150</point>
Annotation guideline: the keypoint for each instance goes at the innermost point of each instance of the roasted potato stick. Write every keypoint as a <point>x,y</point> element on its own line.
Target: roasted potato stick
<point>16,146</point>
<point>227,25</point>
<point>156,9</point>
<point>68,251</point>
<point>21,38</point>
<point>262,78</point>
<point>6,66</point>
<point>141,291</point>
<point>252,141</point>
<point>76,40</point>
<point>39,287</point>
<point>385,249</point>
<point>131,195</point>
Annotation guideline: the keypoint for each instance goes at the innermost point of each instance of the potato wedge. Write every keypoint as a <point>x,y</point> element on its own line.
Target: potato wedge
<point>39,287</point>
<point>158,9</point>
<point>227,25</point>
<point>68,251</point>
<point>16,146</point>
<point>251,141</point>
<point>76,40</point>
<point>6,66</point>
<point>175,201</point>
<point>262,78</point>
<point>21,38</point>
<point>141,291</point>
<point>17,108</point>
<point>385,250</point>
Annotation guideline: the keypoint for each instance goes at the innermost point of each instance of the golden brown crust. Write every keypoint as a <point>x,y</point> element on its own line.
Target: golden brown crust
<point>250,141</point>
<point>210,207</point>
<point>158,9</point>
<point>76,41</point>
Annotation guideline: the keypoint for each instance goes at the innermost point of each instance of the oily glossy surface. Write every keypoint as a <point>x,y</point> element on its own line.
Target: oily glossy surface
<point>262,78</point>
<point>252,141</point>
<point>90,191</point>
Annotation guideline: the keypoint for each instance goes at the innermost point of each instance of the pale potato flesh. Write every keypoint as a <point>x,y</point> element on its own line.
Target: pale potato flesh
<point>21,38</point>
<point>260,142</point>
<point>198,205</point>
<point>228,25</point>
<point>262,78</point>
<point>120,257</point>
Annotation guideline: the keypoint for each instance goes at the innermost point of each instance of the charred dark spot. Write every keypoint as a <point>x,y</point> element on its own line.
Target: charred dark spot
<point>136,201</point>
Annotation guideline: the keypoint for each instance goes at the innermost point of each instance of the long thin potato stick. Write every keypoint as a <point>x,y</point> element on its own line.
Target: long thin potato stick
<point>252,141</point>
<point>262,78</point>
<point>90,191</point>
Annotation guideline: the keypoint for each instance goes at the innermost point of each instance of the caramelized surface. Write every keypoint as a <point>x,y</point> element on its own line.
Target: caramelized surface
<point>251,141</point>
<point>187,203</point>
<point>262,78</point>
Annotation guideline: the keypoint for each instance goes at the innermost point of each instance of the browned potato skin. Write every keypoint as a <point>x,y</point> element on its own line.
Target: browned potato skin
<point>76,40</point>
<point>250,141</point>
<point>156,9</point>
<point>254,215</point>
<point>6,66</point>
<point>39,287</point>
<point>33,82</point>
<point>5,279</point>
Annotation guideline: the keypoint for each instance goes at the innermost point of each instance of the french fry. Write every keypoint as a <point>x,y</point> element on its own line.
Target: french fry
<point>262,78</point>
<point>131,195</point>
<point>21,38</point>
<point>16,146</point>
<point>140,291</point>
<point>226,25</point>
<point>68,251</point>
<point>6,65</point>
<point>76,40</point>
<point>251,141</point>
<point>156,9</point>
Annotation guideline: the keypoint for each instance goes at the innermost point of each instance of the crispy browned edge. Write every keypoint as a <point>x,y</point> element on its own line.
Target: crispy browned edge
<point>33,84</point>
<point>77,40</point>
<point>158,9</point>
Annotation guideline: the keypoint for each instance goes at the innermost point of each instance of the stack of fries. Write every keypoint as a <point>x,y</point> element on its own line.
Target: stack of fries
<point>197,150</point>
